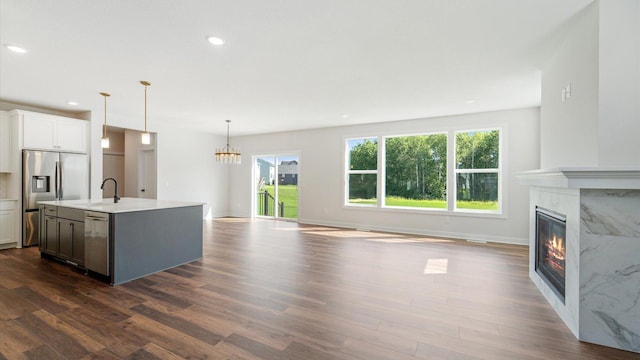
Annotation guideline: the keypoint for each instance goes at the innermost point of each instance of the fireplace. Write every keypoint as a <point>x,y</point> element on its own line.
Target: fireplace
<point>601,236</point>
<point>551,249</point>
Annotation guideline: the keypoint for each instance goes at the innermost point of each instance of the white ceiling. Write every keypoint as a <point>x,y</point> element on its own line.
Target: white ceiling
<point>286,64</point>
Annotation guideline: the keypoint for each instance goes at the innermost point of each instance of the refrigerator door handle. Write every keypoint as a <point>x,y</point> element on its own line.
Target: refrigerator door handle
<point>60,189</point>
<point>57,181</point>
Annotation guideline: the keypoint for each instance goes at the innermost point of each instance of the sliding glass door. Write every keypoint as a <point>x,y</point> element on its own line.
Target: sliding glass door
<point>276,186</point>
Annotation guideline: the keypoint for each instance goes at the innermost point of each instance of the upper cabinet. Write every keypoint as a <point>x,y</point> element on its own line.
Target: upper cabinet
<point>48,132</point>
<point>6,143</point>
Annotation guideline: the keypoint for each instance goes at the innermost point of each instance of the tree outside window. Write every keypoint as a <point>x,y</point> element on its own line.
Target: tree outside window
<point>478,170</point>
<point>416,171</point>
<point>362,171</point>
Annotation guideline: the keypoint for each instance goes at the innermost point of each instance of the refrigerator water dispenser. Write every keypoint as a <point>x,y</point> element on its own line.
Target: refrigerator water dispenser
<point>40,184</point>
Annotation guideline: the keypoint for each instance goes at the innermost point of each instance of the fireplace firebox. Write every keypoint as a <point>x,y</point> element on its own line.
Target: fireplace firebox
<point>551,249</point>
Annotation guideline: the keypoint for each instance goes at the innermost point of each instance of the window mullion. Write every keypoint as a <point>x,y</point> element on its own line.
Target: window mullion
<point>451,174</point>
<point>469,171</point>
<point>381,171</point>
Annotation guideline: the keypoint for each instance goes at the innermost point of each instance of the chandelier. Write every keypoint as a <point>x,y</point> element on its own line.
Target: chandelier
<point>227,154</point>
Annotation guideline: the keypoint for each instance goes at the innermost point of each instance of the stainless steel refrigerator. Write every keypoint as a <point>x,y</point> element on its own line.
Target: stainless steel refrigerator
<point>50,176</point>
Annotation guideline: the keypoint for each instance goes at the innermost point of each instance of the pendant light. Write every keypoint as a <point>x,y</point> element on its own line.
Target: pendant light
<point>146,136</point>
<point>227,154</point>
<point>104,143</point>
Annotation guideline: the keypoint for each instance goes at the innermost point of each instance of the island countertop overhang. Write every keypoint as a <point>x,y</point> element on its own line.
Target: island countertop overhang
<point>124,204</point>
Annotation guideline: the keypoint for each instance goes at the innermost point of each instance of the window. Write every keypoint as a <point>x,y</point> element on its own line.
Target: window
<point>455,171</point>
<point>478,170</point>
<point>416,171</point>
<point>362,171</point>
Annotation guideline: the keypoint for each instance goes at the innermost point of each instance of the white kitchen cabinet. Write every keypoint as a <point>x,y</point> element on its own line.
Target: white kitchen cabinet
<point>49,132</point>
<point>72,135</point>
<point>6,143</point>
<point>8,218</point>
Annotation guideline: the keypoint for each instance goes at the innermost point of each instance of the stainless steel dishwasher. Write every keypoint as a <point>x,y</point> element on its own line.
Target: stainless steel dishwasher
<point>96,242</point>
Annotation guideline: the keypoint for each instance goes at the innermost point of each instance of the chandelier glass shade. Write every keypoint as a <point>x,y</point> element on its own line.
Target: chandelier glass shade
<point>228,154</point>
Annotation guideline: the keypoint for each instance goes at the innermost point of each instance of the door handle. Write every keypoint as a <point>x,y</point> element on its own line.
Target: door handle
<point>56,182</point>
<point>95,218</point>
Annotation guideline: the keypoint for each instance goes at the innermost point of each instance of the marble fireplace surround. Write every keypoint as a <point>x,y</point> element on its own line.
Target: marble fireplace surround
<point>602,206</point>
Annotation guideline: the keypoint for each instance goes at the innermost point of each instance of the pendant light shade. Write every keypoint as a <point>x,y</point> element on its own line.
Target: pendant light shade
<point>227,154</point>
<point>104,142</point>
<point>146,136</point>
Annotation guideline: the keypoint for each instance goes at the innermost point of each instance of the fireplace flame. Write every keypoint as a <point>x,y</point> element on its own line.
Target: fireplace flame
<point>556,253</point>
<point>557,248</point>
<point>551,250</point>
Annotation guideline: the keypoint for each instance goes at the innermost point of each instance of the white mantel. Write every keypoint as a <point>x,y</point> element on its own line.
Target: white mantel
<point>602,207</point>
<point>583,178</point>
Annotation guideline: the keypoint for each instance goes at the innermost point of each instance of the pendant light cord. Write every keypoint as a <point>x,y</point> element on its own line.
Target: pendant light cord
<point>145,108</point>
<point>228,146</point>
<point>146,84</point>
<point>104,127</point>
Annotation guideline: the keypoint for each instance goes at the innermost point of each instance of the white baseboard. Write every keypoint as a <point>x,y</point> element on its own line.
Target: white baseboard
<point>427,232</point>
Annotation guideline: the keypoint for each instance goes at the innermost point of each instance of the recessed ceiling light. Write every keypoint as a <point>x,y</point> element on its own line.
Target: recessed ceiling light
<point>215,40</point>
<point>345,116</point>
<point>470,101</point>
<point>16,49</point>
<point>72,103</point>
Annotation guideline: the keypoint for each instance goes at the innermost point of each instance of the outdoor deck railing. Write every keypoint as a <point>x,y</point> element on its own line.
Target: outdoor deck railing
<point>266,204</point>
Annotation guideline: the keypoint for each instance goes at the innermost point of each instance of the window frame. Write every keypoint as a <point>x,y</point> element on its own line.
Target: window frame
<point>457,171</point>
<point>383,179</point>
<point>348,172</point>
<point>452,173</point>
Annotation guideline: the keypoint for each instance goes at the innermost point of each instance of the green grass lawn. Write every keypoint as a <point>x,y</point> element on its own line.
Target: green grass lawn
<point>400,201</point>
<point>288,194</point>
<point>430,204</point>
<point>478,205</point>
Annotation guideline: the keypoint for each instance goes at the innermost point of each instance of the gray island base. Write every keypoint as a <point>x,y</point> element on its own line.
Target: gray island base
<point>145,242</point>
<point>142,236</point>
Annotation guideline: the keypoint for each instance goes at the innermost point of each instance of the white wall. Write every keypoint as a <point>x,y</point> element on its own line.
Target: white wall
<point>569,130</point>
<point>321,176</point>
<point>97,119</point>
<point>619,82</point>
<point>186,169</point>
<point>600,57</point>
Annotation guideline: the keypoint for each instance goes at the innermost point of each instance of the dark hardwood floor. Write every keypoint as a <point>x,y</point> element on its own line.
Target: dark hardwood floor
<point>278,290</point>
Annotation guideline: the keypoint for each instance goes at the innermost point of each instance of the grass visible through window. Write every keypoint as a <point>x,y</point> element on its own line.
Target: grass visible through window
<point>429,204</point>
<point>478,205</point>
<point>399,201</point>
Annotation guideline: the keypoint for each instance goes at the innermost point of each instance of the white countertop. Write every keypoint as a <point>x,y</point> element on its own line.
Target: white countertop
<point>123,205</point>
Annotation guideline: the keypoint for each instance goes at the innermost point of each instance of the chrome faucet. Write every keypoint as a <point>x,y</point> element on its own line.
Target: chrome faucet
<point>115,195</point>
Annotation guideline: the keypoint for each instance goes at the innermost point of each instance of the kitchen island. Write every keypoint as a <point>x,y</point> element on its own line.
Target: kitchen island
<point>122,241</point>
